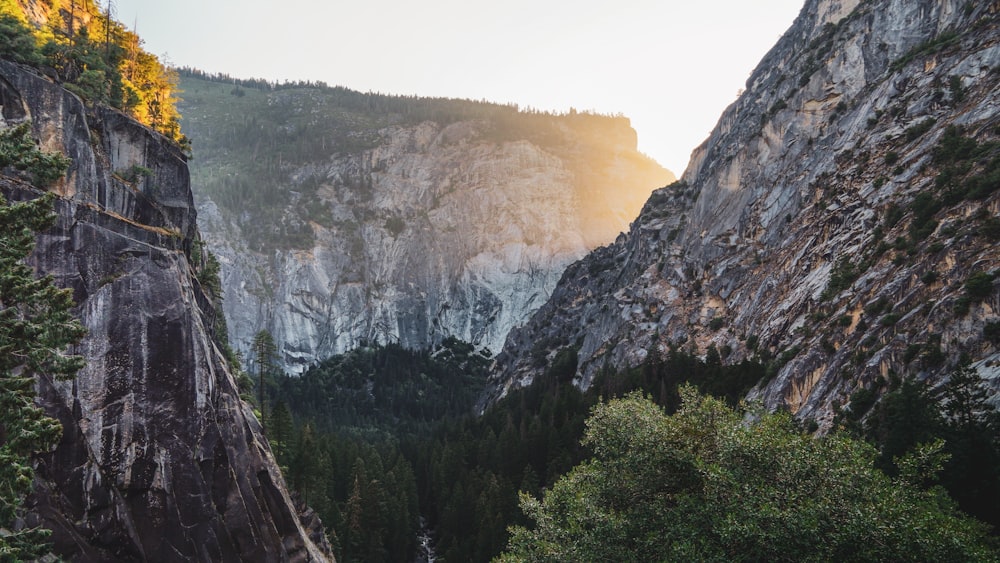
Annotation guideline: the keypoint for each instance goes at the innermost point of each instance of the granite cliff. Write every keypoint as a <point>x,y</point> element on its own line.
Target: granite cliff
<point>340,218</point>
<point>840,222</point>
<point>160,459</point>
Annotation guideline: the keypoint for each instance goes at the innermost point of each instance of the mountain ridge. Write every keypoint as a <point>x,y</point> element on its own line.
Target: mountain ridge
<point>373,218</point>
<point>800,219</point>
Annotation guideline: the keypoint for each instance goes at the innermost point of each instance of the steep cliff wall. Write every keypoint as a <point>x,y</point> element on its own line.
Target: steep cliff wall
<point>415,229</point>
<point>160,459</point>
<point>840,221</point>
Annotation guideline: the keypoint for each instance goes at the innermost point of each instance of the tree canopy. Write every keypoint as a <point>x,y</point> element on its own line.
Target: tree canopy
<point>95,57</point>
<point>705,485</point>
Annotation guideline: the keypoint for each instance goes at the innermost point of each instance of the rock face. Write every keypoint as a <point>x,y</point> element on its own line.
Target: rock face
<point>434,230</point>
<point>840,222</point>
<point>160,459</point>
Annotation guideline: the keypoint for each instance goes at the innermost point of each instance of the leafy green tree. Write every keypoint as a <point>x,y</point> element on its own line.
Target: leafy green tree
<point>703,485</point>
<point>36,325</point>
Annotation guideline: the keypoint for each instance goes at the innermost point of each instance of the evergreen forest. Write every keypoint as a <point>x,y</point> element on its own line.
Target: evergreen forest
<point>386,444</point>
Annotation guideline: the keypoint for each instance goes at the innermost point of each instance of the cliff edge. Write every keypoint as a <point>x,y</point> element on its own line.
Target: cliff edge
<point>159,459</point>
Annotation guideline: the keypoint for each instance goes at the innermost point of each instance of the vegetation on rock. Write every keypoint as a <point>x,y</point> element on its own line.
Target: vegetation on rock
<point>18,150</point>
<point>36,326</point>
<point>95,57</point>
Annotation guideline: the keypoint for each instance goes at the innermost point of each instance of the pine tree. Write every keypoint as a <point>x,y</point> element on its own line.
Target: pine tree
<point>355,533</point>
<point>280,433</point>
<point>263,350</point>
<point>36,325</point>
<point>972,440</point>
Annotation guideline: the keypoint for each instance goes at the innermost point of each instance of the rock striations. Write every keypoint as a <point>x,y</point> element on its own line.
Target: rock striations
<point>840,222</point>
<point>424,229</point>
<point>160,459</point>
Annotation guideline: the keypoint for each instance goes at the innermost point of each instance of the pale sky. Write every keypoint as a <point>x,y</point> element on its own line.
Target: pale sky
<point>671,66</point>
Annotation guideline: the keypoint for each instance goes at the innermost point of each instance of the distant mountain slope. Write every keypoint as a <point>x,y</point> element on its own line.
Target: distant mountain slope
<point>341,218</point>
<point>841,221</point>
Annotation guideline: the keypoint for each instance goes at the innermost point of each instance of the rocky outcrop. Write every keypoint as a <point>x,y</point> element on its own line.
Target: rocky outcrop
<point>435,229</point>
<point>160,459</point>
<point>829,225</point>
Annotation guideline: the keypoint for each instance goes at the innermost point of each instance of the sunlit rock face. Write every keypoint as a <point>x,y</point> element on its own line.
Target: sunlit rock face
<point>436,231</point>
<point>823,158</point>
<point>160,460</point>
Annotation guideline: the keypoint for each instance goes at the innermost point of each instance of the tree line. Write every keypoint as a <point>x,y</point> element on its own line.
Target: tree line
<point>97,58</point>
<point>464,473</point>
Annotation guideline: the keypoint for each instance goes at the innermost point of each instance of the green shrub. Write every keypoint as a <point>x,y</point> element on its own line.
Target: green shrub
<point>893,214</point>
<point>962,305</point>
<point>956,89</point>
<point>917,130</point>
<point>924,206</point>
<point>875,308</point>
<point>955,147</point>
<point>979,286</point>
<point>862,401</point>
<point>134,173</point>
<point>933,355</point>
<point>890,319</point>
<point>928,47</point>
<point>991,228</point>
<point>843,275</point>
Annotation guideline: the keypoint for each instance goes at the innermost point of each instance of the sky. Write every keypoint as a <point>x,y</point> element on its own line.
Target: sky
<point>671,66</point>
